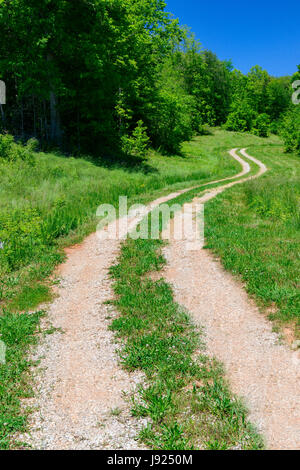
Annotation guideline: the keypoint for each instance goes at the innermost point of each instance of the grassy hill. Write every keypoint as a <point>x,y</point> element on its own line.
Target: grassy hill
<point>49,201</point>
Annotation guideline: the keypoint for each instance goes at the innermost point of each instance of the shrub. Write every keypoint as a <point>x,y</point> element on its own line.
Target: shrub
<point>261,125</point>
<point>240,118</point>
<point>6,145</point>
<point>291,130</point>
<point>32,145</point>
<point>275,127</point>
<point>20,236</point>
<point>11,151</point>
<point>136,144</point>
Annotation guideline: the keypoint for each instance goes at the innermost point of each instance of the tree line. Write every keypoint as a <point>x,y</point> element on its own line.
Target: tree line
<point>109,76</point>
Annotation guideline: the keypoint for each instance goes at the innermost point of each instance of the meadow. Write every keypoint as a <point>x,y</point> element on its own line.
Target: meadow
<point>51,202</point>
<point>255,229</point>
<point>48,201</point>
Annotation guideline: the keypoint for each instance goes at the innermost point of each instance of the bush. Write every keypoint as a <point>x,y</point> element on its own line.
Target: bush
<point>12,152</point>
<point>6,145</point>
<point>240,118</point>
<point>291,130</point>
<point>261,125</point>
<point>275,127</point>
<point>32,145</point>
<point>20,236</point>
<point>172,123</point>
<point>136,144</point>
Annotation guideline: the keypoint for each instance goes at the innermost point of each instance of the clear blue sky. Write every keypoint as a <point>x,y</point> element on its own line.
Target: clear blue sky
<point>253,32</point>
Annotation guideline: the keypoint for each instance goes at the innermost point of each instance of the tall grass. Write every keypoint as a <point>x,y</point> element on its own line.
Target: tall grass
<point>48,199</point>
<point>255,229</point>
<point>18,334</point>
<point>276,198</point>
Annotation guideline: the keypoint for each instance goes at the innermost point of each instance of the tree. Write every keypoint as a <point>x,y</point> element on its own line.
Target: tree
<point>290,130</point>
<point>241,117</point>
<point>257,86</point>
<point>68,63</point>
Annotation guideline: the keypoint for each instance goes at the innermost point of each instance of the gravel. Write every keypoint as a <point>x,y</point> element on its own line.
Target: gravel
<point>258,366</point>
<point>82,394</point>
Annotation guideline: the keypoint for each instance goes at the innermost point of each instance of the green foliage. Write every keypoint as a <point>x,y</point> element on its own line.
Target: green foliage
<point>275,127</point>
<point>17,331</point>
<point>278,97</point>
<point>240,118</point>
<point>159,338</point>
<point>257,84</point>
<point>261,125</point>
<point>68,62</point>
<point>80,74</point>
<point>206,79</point>
<point>137,143</point>
<point>290,130</point>
<point>171,116</point>
<point>11,151</point>
<point>258,102</point>
<point>21,235</point>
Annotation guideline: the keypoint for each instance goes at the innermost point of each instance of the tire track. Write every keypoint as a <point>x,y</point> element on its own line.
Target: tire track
<point>260,369</point>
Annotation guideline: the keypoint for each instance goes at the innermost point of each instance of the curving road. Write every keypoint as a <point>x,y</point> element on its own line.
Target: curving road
<point>259,369</point>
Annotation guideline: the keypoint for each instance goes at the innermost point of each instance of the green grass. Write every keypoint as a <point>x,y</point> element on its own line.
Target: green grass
<point>185,397</point>
<point>53,204</point>
<point>18,332</point>
<point>255,229</point>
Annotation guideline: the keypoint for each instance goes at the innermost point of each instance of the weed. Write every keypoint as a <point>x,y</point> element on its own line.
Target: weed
<point>115,411</point>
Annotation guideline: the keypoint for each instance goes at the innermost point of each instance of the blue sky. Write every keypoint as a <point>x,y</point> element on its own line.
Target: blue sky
<point>253,32</point>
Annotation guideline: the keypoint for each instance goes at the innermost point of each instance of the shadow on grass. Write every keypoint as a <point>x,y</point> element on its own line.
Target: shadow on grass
<point>118,160</point>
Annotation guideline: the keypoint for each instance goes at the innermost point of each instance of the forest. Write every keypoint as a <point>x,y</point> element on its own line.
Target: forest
<point>111,77</point>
